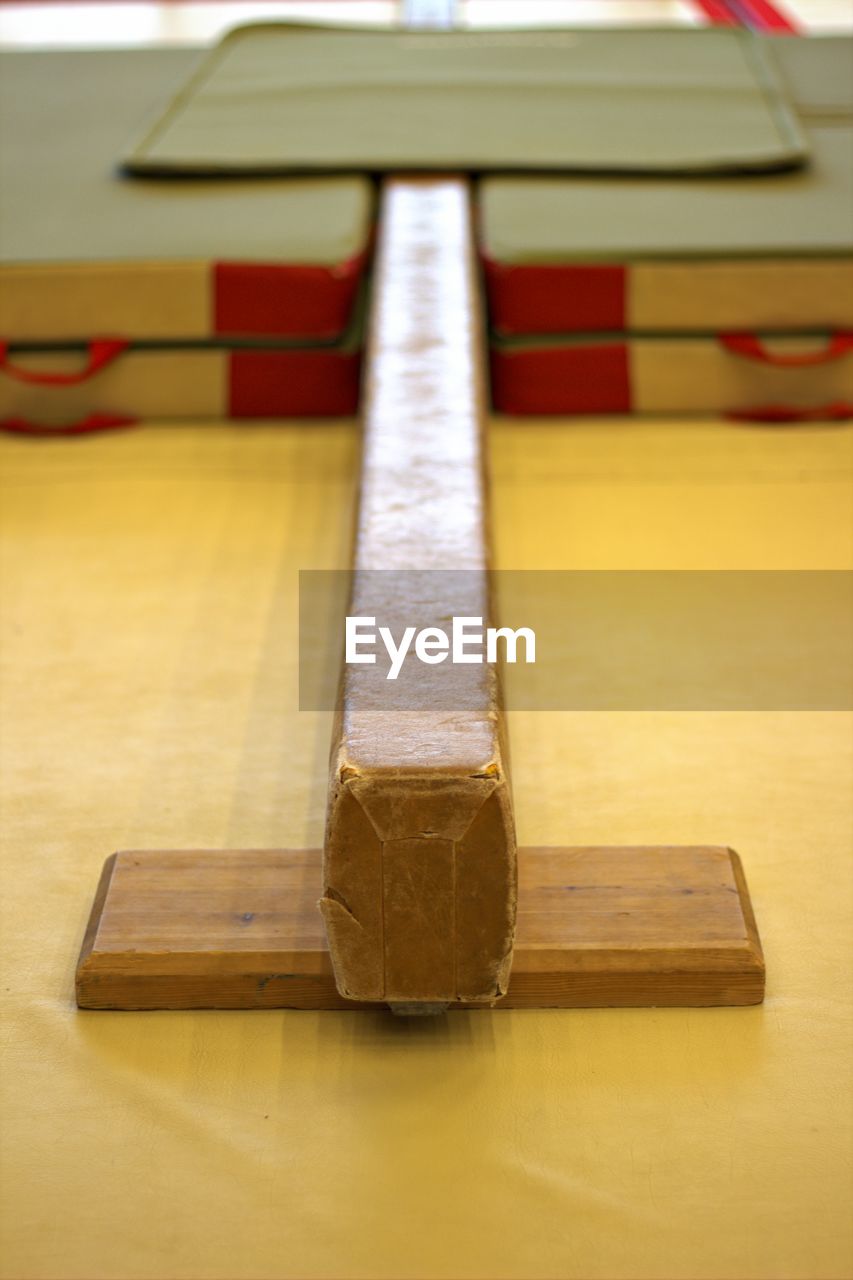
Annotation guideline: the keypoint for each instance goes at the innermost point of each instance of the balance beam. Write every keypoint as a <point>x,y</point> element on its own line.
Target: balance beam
<point>420,862</point>
<point>418,877</point>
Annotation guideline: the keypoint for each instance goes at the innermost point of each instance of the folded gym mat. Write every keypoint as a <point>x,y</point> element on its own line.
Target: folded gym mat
<point>577,254</point>
<point>110,383</point>
<point>817,72</point>
<point>85,252</point>
<point>277,97</point>
<point>757,377</point>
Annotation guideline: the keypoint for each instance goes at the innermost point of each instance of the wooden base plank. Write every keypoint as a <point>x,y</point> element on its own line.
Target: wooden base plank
<point>597,927</point>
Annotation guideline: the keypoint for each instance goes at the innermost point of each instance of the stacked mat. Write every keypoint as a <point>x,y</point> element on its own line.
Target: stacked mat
<point>123,299</point>
<point>728,294</point>
<point>665,219</point>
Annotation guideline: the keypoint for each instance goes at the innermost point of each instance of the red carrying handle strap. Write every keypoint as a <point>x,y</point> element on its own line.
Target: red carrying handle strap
<point>837,412</point>
<point>93,422</point>
<point>100,353</point>
<point>750,347</point>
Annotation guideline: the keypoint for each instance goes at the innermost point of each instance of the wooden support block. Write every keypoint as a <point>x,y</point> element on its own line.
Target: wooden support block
<point>420,861</point>
<point>596,927</point>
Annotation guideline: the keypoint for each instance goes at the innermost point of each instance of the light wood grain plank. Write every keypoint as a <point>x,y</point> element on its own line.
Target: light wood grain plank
<point>596,927</point>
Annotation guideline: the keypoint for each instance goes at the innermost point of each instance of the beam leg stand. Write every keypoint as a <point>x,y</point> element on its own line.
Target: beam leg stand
<point>597,927</point>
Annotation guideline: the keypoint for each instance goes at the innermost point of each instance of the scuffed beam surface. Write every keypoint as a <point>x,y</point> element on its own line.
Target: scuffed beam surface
<point>420,857</point>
